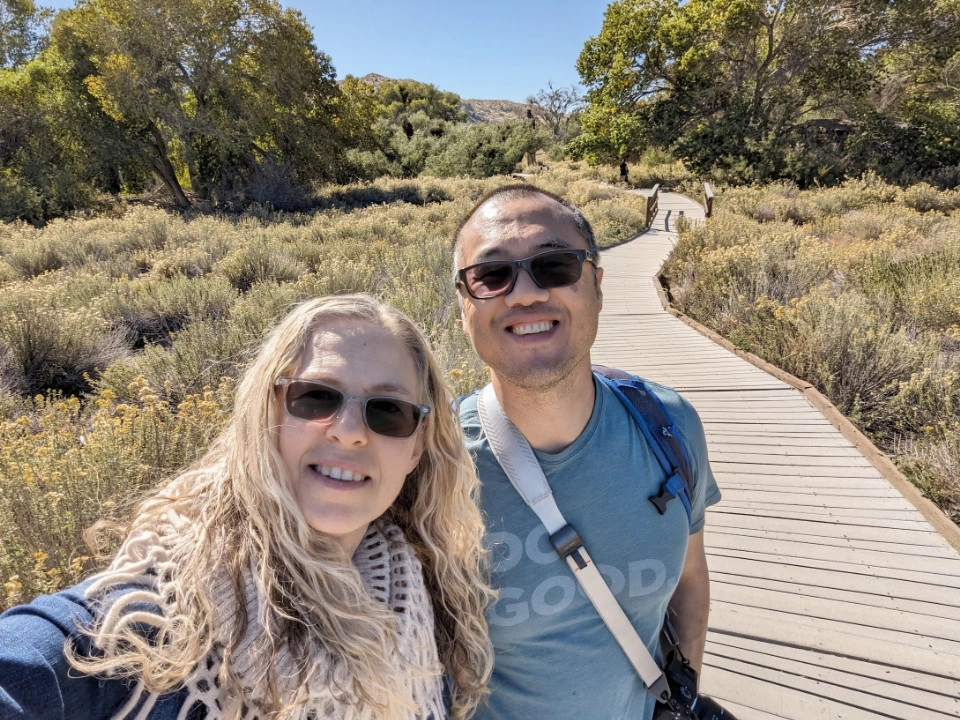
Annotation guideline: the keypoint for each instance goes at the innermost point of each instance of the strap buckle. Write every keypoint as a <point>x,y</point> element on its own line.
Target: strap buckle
<point>566,541</point>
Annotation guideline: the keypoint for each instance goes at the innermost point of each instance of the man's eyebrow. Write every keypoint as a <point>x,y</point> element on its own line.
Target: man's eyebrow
<point>498,251</point>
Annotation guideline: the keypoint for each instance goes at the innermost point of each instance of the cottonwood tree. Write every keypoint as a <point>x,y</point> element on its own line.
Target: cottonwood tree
<point>220,92</point>
<point>741,83</point>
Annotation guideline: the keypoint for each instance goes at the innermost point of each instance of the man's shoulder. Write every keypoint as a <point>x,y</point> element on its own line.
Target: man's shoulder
<point>678,408</point>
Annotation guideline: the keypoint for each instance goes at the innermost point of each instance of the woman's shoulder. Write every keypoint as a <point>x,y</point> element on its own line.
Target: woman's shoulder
<point>36,680</point>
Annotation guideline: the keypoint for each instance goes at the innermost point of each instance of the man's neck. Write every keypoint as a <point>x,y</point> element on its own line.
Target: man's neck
<point>552,418</point>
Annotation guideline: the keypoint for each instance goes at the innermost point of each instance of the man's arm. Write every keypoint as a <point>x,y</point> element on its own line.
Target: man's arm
<point>690,604</point>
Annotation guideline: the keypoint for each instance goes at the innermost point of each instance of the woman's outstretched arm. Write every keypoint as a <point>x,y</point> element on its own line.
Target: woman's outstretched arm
<point>36,681</point>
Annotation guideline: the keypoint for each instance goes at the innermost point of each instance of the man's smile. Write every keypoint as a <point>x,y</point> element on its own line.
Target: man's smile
<point>532,328</point>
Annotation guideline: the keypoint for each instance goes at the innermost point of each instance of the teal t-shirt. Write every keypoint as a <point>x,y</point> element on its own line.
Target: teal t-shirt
<point>555,658</point>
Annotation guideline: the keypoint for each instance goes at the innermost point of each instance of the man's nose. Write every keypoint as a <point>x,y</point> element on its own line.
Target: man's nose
<point>526,291</point>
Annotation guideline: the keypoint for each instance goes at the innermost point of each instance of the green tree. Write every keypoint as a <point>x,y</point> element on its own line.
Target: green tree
<point>401,99</point>
<point>740,84</point>
<point>223,93</point>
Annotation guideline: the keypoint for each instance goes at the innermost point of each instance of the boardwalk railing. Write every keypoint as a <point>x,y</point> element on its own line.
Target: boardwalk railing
<point>707,199</point>
<point>653,202</point>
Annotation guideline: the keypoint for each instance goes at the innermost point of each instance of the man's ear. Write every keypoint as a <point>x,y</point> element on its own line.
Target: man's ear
<point>598,277</point>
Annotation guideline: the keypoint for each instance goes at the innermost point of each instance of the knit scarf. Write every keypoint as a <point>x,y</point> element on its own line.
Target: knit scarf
<point>392,574</point>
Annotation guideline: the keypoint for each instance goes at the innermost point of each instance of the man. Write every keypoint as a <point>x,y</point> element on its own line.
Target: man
<point>533,320</point>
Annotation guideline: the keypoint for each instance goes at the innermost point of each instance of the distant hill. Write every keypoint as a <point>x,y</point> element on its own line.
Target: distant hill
<point>478,111</point>
<point>492,111</point>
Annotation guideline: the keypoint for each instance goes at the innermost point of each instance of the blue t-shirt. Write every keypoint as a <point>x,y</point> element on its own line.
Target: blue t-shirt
<point>554,656</point>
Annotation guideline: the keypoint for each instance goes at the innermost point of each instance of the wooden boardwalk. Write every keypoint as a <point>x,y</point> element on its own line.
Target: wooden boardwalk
<point>832,596</point>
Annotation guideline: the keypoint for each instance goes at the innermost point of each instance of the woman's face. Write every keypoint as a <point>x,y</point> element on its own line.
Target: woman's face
<point>344,475</point>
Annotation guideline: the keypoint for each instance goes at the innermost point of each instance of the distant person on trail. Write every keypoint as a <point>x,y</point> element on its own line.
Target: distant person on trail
<point>623,172</point>
<point>324,559</point>
<point>526,267</point>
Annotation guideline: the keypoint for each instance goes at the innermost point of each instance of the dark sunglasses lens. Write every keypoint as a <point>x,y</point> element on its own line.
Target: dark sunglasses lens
<point>489,278</point>
<point>393,418</point>
<point>556,269</point>
<point>310,401</point>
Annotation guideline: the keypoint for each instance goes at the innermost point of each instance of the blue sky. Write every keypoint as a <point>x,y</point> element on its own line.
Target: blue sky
<point>489,49</point>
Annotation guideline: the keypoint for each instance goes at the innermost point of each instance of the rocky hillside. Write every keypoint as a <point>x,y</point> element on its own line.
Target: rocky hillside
<point>492,111</point>
<point>478,111</point>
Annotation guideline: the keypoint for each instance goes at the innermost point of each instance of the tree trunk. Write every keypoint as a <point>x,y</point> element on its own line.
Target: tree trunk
<point>164,169</point>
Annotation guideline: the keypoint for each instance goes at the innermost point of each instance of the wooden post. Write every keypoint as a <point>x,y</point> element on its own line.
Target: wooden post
<point>652,202</point>
<point>707,199</point>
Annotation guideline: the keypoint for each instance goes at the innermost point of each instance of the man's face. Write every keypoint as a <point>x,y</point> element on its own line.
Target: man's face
<point>531,337</point>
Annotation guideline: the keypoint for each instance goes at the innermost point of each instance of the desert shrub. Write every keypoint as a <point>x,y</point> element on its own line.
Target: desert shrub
<point>617,219</point>
<point>258,261</point>
<point>152,311</point>
<point>924,198</point>
<point>190,261</point>
<point>51,338</point>
<point>583,192</point>
<point>19,200</point>
<point>932,461</point>
<point>56,481</point>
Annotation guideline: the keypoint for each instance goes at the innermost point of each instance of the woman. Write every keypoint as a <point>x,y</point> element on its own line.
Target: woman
<point>322,560</point>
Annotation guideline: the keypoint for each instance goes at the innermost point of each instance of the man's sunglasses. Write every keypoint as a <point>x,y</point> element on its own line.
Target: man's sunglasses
<point>551,269</point>
<point>311,400</point>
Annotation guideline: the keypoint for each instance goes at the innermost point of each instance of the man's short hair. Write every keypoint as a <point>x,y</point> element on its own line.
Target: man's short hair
<point>515,191</point>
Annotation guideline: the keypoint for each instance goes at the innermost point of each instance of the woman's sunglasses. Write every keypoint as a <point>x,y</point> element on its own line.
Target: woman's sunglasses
<point>311,400</point>
<point>552,269</point>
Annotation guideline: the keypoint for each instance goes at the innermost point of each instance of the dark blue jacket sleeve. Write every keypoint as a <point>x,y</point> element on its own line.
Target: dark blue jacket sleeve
<point>36,681</point>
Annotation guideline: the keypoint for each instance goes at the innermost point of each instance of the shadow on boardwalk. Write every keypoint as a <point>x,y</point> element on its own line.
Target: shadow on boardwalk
<point>832,596</point>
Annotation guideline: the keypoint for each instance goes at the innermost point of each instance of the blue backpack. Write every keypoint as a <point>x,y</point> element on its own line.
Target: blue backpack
<point>654,422</point>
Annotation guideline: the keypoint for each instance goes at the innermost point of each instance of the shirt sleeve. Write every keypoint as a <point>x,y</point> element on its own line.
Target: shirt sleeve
<point>36,681</point>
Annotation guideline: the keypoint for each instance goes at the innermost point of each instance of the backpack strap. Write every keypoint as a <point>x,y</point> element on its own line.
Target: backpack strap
<point>651,416</point>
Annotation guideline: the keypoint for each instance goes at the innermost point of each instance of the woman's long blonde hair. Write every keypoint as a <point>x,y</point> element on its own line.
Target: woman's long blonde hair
<point>243,514</point>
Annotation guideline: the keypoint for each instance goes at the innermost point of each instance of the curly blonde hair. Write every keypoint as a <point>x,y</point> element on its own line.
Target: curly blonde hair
<point>243,515</point>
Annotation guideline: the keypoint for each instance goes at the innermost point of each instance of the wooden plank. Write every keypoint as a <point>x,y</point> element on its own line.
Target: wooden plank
<point>854,597</point>
<point>947,582</point>
<point>888,545</point>
<point>921,537</point>
<point>908,651</point>
<point>825,579</point>
<point>813,497</point>
<point>770,697</point>
<point>747,510</point>
<point>895,625</point>
<point>871,672</point>
<point>787,549</point>
<point>727,468</point>
<point>848,700</point>
<point>751,456</point>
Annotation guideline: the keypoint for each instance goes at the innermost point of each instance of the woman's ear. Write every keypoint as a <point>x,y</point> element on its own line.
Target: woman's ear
<point>417,450</point>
